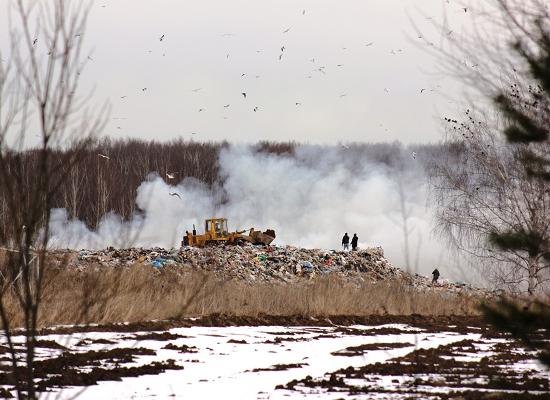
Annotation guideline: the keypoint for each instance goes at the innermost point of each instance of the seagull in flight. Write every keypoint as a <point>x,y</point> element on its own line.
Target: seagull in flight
<point>170,176</point>
<point>175,194</point>
<point>286,30</point>
<point>226,106</point>
<point>144,89</point>
<point>369,44</point>
<point>103,156</point>
<point>414,155</point>
<point>255,108</point>
<point>34,41</point>
<point>298,104</point>
<point>422,90</point>
<point>244,94</point>
<point>161,38</point>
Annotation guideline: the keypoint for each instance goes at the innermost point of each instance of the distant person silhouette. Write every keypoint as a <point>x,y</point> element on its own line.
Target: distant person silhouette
<point>435,276</point>
<point>354,241</point>
<point>345,241</point>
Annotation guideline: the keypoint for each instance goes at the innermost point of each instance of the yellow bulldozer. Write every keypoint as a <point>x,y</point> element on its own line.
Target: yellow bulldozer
<point>215,232</point>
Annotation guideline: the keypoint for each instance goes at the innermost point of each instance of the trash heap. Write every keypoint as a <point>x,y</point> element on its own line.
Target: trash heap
<point>265,263</point>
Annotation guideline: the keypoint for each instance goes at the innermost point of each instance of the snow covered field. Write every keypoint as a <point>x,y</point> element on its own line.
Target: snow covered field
<point>277,362</point>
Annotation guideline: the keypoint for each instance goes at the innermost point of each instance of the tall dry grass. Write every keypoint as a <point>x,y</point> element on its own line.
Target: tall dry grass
<point>139,293</point>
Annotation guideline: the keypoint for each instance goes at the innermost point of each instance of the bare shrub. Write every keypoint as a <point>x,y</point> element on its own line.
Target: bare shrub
<point>37,93</point>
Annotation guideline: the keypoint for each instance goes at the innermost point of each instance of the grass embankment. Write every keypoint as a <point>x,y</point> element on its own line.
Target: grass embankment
<point>140,293</point>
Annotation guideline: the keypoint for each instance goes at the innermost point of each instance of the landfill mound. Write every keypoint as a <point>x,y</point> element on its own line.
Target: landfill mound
<point>268,264</point>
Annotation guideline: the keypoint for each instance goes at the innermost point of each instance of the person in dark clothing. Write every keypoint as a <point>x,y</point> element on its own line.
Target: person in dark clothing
<point>345,241</point>
<point>436,276</point>
<point>354,241</point>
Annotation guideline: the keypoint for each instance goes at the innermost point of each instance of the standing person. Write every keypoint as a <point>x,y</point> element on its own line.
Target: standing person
<point>354,241</point>
<point>436,276</point>
<point>345,241</point>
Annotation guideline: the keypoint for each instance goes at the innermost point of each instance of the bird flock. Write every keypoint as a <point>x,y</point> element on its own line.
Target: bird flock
<point>317,69</point>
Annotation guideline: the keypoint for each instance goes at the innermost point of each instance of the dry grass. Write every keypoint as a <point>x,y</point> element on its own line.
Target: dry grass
<point>139,293</point>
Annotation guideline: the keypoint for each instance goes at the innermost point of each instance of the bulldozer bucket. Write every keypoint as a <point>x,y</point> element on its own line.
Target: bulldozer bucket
<point>264,238</point>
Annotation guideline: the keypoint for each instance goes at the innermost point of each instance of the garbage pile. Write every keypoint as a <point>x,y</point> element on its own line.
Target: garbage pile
<point>266,263</point>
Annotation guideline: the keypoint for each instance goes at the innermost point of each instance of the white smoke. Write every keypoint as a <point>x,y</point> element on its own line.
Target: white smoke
<point>310,199</point>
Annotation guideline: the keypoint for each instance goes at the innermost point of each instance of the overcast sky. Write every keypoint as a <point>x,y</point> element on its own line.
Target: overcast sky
<point>347,89</point>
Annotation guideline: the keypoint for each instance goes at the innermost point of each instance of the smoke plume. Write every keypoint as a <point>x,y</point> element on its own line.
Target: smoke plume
<point>310,198</point>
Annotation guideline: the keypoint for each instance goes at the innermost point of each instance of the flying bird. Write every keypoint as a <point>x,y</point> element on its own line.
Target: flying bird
<point>255,108</point>
<point>242,75</point>
<point>304,12</point>
<point>244,94</point>
<point>286,30</point>
<point>414,155</point>
<point>144,89</point>
<point>196,90</point>
<point>386,90</point>
<point>343,95</point>
<point>175,194</point>
<point>34,41</point>
<point>123,97</point>
<point>161,38</point>
<point>201,109</point>
<point>465,9</point>
<point>227,105</point>
<point>298,104</point>
<point>340,65</point>
<point>103,156</point>
<point>422,90</point>
<point>170,176</point>
<point>280,56</point>
<point>369,44</point>
<point>283,48</point>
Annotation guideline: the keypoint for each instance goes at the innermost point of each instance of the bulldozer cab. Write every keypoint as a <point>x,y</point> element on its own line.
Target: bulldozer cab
<point>217,227</point>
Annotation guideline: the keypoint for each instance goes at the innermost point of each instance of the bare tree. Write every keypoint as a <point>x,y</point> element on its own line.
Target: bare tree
<point>491,203</point>
<point>482,189</point>
<point>39,83</point>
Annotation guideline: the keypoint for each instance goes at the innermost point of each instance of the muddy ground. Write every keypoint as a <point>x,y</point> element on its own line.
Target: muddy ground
<point>487,365</point>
